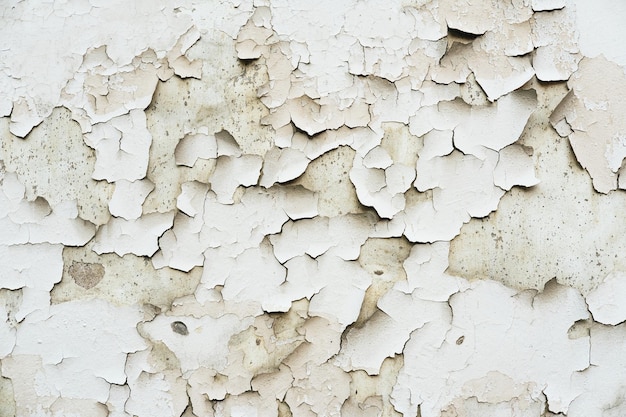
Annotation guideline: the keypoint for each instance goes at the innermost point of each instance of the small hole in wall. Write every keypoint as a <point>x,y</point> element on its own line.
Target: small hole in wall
<point>460,340</point>
<point>378,272</point>
<point>180,328</point>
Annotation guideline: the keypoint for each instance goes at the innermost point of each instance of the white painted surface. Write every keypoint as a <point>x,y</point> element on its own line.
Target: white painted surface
<point>275,208</point>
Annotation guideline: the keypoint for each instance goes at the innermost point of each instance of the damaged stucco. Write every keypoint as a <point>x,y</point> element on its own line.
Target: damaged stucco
<point>295,208</point>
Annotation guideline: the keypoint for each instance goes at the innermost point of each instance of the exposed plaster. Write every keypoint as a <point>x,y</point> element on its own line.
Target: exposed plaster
<point>287,208</point>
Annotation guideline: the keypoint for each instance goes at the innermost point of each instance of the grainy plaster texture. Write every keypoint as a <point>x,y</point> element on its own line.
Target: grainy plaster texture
<point>273,208</point>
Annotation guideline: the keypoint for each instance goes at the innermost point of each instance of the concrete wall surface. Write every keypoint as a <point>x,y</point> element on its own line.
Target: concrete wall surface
<point>263,208</point>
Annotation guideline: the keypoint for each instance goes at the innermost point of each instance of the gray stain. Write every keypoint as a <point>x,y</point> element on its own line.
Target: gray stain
<point>180,328</point>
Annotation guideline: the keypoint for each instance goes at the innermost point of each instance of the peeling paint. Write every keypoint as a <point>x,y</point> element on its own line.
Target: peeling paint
<point>285,208</point>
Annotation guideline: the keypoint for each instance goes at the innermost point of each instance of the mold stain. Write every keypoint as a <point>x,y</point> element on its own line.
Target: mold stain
<point>86,275</point>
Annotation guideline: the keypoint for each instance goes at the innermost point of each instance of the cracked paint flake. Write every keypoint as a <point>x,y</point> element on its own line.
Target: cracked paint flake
<point>587,116</point>
<point>495,127</point>
<point>35,280</point>
<point>47,354</point>
<point>128,198</point>
<point>468,350</point>
<point>556,55</point>
<point>508,247</point>
<point>121,147</point>
<point>605,397</point>
<point>231,172</point>
<point>195,146</point>
<point>604,301</point>
<point>138,236</point>
<point>341,236</point>
<point>35,221</point>
<point>50,43</point>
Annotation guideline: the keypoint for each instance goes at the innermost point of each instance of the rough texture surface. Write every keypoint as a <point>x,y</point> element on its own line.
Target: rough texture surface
<point>292,208</point>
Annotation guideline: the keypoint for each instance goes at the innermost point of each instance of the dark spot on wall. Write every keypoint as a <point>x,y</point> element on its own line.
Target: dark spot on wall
<point>86,275</point>
<point>180,328</point>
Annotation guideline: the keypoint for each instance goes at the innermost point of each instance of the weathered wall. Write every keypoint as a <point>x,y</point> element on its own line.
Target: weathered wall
<point>276,208</point>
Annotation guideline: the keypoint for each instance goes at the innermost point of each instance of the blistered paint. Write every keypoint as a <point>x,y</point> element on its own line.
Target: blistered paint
<point>291,208</point>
